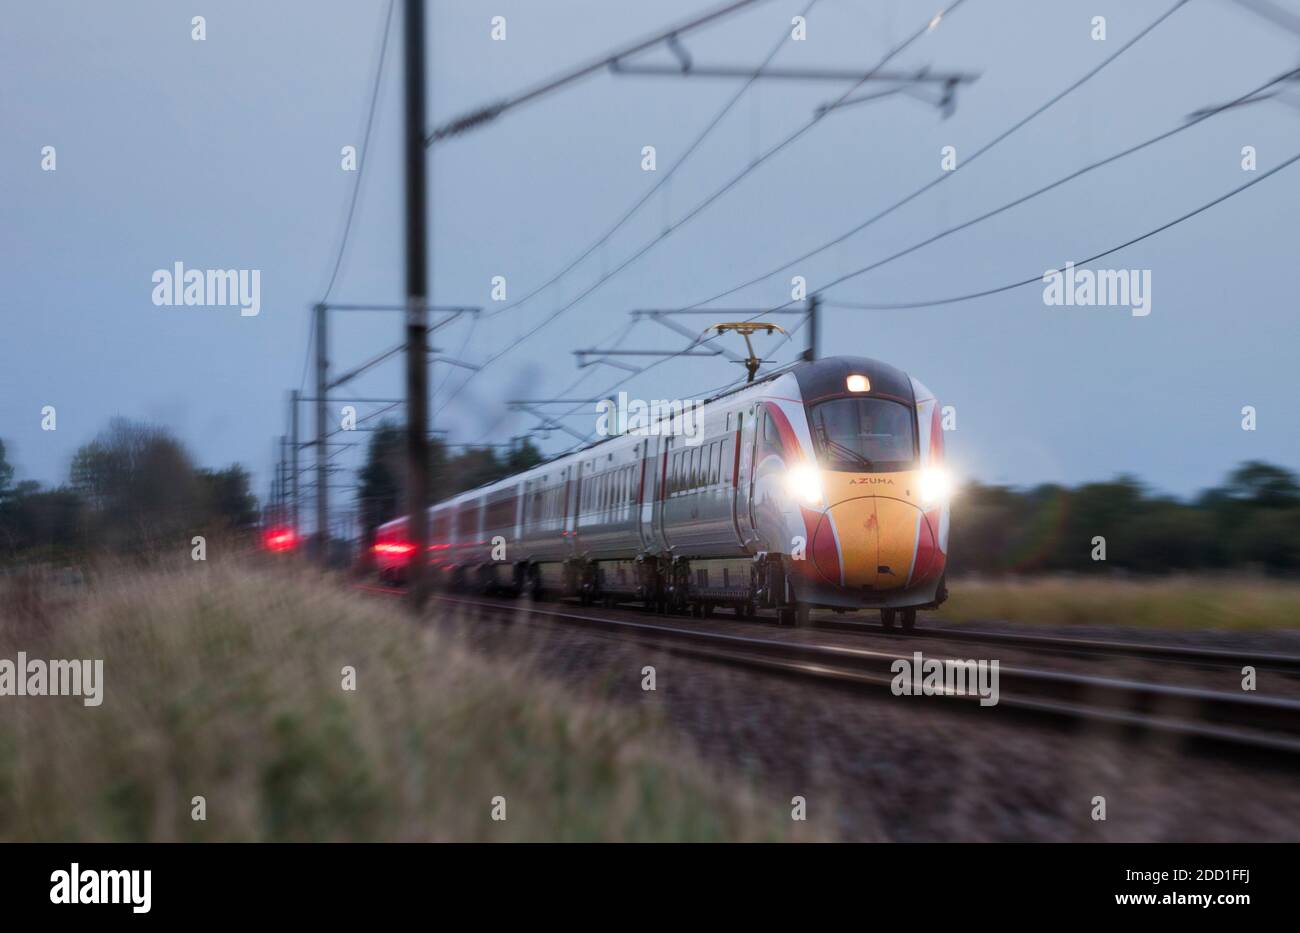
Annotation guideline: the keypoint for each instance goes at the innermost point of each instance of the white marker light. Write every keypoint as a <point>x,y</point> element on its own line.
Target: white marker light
<point>935,486</point>
<point>858,383</point>
<point>805,484</point>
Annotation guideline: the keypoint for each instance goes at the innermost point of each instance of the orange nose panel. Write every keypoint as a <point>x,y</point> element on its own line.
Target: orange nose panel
<point>876,540</point>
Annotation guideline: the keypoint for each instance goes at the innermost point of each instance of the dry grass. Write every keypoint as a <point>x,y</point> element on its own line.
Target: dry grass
<point>1172,602</point>
<point>227,684</point>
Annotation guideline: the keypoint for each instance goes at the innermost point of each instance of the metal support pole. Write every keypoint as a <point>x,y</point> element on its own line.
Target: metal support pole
<point>417,292</point>
<point>284,475</point>
<point>294,401</point>
<point>322,384</point>
<point>276,476</point>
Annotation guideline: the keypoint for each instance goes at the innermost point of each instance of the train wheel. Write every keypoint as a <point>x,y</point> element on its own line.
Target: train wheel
<point>785,617</point>
<point>887,617</point>
<point>909,619</point>
<point>802,615</point>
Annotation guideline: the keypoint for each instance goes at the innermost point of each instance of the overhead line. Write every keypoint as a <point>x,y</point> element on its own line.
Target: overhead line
<point>945,175</point>
<point>583,377</point>
<point>478,117</point>
<point>1160,137</point>
<point>365,151</point>
<point>992,143</point>
<point>695,211</point>
<point>984,149</point>
<point>664,179</point>
<point>356,186</point>
<point>1083,262</point>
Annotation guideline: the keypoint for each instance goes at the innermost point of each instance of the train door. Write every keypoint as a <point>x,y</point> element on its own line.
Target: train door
<point>645,499</point>
<point>569,522</point>
<point>676,463</point>
<point>573,510</point>
<point>663,450</point>
<point>743,506</point>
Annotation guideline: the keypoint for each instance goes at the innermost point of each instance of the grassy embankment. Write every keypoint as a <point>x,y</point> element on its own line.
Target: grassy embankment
<point>228,685</point>
<point>1172,602</point>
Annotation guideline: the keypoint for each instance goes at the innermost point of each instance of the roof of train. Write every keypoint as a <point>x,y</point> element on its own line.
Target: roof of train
<point>817,379</point>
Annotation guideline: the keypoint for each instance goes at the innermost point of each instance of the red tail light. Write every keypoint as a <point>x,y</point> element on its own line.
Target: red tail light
<point>280,539</point>
<point>395,548</point>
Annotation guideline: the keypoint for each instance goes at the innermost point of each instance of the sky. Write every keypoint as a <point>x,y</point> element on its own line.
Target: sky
<point>226,154</point>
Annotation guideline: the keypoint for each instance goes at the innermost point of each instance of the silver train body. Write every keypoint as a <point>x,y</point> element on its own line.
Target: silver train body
<point>818,485</point>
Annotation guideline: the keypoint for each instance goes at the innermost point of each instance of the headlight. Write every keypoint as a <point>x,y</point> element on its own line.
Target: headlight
<point>935,486</point>
<point>805,484</point>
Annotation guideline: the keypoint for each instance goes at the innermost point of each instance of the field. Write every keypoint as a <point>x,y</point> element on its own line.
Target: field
<point>228,685</point>
<point>1233,603</point>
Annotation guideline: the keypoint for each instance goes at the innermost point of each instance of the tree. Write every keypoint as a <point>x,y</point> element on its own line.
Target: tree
<point>44,523</point>
<point>1169,536</point>
<point>6,474</point>
<point>523,456</point>
<point>228,497</point>
<point>1270,538</point>
<point>1264,485</point>
<point>139,485</point>
<point>469,469</point>
<point>382,490</point>
<point>1107,510</point>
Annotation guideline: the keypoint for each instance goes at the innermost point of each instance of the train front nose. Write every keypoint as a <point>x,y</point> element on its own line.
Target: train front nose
<point>869,542</point>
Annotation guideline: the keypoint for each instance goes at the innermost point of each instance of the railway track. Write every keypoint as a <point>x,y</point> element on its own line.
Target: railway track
<point>1243,720</point>
<point>1152,651</point>
<point>1193,655</point>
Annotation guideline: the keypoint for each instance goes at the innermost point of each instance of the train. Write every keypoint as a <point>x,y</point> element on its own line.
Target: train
<point>818,485</point>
